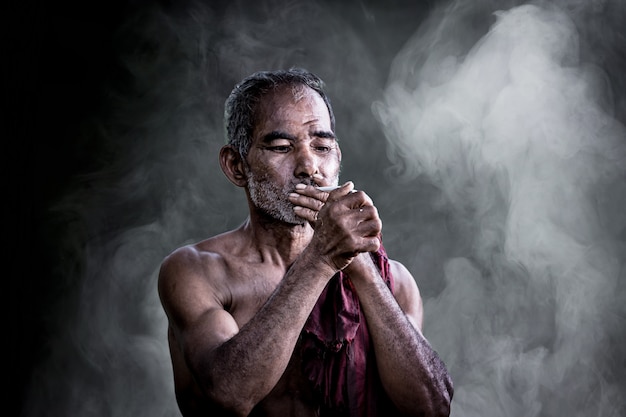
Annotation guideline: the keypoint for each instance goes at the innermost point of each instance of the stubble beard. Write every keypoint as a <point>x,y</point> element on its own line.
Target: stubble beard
<point>271,199</point>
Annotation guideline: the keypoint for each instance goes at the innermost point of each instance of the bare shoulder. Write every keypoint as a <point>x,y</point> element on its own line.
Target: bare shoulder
<point>407,293</point>
<point>193,277</point>
<point>186,259</point>
<point>194,260</point>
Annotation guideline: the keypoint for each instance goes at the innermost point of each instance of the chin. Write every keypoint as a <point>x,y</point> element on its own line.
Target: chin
<point>284,217</point>
<point>293,222</point>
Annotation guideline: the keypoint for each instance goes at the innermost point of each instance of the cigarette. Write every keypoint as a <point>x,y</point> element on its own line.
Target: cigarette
<point>332,188</point>
<point>329,188</point>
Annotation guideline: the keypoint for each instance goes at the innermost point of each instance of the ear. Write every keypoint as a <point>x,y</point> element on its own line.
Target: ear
<point>232,165</point>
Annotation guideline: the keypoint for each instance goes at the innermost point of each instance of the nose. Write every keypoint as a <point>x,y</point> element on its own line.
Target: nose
<point>306,163</point>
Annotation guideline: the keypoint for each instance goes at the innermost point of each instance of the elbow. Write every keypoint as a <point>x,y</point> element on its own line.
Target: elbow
<point>437,403</point>
<point>203,401</point>
<point>231,404</point>
<point>441,407</point>
<point>236,408</point>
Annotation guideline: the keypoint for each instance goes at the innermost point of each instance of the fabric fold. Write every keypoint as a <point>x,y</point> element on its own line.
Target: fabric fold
<point>336,347</point>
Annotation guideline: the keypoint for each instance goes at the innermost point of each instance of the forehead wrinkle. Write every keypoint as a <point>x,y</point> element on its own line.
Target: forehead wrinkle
<point>275,110</point>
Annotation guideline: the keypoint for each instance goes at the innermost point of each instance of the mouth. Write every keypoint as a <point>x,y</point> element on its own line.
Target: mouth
<point>305,182</point>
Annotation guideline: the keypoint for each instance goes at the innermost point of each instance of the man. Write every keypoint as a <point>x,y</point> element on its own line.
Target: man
<point>297,312</point>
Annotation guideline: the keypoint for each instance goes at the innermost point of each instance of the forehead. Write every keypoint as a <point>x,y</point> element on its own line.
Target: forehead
<point>292,106</point>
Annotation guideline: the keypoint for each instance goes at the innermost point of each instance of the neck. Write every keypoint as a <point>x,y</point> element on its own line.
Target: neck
<point>277,241</point>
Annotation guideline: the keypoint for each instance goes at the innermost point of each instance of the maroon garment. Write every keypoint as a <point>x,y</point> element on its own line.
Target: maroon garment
<point>338,357</point>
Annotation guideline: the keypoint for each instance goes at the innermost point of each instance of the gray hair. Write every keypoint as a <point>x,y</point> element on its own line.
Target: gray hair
<point>242,103</point>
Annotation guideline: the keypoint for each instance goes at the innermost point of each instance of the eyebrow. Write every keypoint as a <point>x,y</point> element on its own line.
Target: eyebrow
<point>277,134</point>
<point>324,134</point>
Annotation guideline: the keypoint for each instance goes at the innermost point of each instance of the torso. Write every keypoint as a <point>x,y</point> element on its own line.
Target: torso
<point>250,283</point>
<point>292,395</point>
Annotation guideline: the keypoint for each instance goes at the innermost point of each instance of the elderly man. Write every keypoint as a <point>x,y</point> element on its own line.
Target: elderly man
<point>298,311</point>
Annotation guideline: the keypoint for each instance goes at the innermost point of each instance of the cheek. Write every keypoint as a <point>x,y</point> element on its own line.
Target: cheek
<point>275,170</point>
<point>333,163</point>
<point>259,165</point>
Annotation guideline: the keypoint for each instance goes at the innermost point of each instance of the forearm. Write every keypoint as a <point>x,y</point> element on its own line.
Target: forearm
<point>412,373</point>
<point>241,371</point>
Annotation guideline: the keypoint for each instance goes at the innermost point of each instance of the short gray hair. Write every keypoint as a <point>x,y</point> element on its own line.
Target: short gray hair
<point>242,103</point>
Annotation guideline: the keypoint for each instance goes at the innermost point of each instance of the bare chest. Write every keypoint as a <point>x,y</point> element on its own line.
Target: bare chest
<point>247,289</point>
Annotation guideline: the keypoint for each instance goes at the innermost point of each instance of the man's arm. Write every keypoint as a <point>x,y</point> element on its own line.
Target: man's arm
<point>236,368</point>
<point>412,373</point>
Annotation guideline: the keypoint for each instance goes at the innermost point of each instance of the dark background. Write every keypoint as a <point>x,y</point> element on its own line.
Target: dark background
<point>113,120</point>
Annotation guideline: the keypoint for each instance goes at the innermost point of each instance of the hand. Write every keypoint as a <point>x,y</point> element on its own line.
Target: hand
<point>308,201</point>
<point>346,223</point>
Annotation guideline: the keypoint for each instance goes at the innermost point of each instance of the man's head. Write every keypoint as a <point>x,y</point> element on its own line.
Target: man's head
<point>241,112</point>
<point>281,133</point>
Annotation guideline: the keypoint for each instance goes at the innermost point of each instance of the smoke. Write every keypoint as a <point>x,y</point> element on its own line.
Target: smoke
<point>502,191</point>
<point>518,137</point>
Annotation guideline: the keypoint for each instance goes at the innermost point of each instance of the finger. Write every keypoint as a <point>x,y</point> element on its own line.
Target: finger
<point>369,223</point>
<point>373,244</point>
<point>369,244</point>
<point>354,199</point>
<point>311,191</point>
<point>306,201</point>
<point>342,191</point>
<point>363,214</point>
<point>306,213</point>
<point>370,227</point>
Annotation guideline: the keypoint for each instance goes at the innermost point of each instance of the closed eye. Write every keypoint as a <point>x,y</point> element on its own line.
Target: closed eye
<point>279,148</point>
<point>323,149</point>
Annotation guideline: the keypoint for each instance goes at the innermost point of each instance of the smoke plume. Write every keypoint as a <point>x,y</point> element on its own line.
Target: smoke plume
<point>518,137</point>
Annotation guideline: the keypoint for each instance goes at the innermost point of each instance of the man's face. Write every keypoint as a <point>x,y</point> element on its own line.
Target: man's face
<point>292,141</point>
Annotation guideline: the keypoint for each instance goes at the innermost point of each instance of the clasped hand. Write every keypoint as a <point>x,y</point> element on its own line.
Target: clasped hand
<point>345,222</point>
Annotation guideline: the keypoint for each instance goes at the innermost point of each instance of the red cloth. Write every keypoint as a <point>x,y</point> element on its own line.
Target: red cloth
<point>338,357</point>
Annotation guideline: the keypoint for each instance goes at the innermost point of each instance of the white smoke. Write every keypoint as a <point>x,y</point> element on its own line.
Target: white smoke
<point>512,192</point>
<point>516,136</point>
